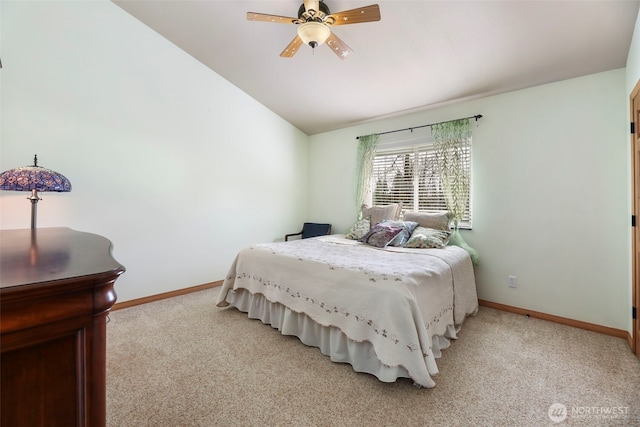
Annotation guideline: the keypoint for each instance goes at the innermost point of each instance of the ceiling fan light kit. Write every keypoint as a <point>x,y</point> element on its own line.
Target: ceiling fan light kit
<point>314,19</point>
<point>313,33</point>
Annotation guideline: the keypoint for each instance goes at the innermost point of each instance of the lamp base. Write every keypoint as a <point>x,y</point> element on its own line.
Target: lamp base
<point>34,207</point>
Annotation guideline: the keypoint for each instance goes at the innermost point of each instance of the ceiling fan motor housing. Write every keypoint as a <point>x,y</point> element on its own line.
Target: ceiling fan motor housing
<point>305,16</point>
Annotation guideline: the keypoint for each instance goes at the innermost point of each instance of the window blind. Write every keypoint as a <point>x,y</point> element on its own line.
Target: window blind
<point>410,175</point>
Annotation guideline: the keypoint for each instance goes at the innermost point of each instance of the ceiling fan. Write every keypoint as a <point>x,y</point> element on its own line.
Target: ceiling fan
<point>314,20</point>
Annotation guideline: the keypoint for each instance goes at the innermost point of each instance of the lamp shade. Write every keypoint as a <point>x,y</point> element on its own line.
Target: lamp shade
<point>33,178</point>
<point>29,178</point>
<point>313,33</point>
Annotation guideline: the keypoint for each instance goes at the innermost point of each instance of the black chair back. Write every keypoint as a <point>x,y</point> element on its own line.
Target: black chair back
<point>312,229</point>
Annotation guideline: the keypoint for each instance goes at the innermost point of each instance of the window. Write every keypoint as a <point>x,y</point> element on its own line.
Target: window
<point>410,175</point>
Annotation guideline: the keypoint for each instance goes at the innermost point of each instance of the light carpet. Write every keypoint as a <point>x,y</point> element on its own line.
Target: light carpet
<point>185,362</point>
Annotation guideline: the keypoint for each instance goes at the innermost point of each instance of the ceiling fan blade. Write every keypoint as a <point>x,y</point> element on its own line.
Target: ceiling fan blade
<point>253,16</point>
<point>355,16</point>
<point>338,47</point>
<point>292,48</point>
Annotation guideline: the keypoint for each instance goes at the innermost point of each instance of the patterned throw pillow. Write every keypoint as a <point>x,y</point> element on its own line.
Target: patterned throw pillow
<point>380,235</point>
<point>359,229</point>
<point>407,228</point>
<point>377,213</point>
<point>423,237</point>
<point>438,221</point>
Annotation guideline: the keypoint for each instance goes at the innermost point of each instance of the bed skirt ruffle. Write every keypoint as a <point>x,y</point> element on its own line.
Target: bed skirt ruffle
<point>330,340</point>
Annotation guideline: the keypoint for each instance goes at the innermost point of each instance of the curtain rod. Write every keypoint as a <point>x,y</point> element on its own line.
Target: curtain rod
<point>477,116</point>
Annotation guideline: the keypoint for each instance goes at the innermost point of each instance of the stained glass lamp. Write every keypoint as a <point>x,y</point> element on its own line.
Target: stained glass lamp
<point>34,178</point>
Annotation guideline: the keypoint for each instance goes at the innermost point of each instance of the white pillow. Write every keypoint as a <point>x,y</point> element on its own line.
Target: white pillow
<point>377,213</point>
<point>437,221</point>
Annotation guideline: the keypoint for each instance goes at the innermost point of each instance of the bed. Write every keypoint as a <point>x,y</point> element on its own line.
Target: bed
<point>386,311</point>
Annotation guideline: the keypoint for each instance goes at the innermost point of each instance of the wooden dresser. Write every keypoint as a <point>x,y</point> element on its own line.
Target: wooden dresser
<point>56,288</point>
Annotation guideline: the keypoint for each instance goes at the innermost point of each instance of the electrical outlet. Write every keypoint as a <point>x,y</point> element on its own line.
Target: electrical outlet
<point>512,281</point>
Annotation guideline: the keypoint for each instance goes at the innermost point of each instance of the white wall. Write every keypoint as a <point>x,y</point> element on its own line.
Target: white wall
<point>633,59</point>
<point>549,183</point>
<point>176,166</point>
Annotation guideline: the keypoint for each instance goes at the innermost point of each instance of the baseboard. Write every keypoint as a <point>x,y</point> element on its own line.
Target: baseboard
<point>557,319</point>
<point>158,297</point>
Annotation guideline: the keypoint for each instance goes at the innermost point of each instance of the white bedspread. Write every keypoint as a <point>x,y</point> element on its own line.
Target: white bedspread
<point>397,299</point>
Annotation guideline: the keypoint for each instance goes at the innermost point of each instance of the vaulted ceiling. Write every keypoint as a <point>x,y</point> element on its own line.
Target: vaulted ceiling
<point>421,54</point>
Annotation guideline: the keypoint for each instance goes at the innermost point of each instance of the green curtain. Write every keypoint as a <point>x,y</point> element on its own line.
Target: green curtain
<point>452,141</point>
<point>364,168</point>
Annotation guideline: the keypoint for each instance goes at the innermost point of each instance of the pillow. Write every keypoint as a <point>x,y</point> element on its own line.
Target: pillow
<point>406,227</point>
<point>457,240</point>
<point>380,235</point>
<point>359,229</point>
<point>437,221</point>
<point>377,213</point>
<point>423,237</point>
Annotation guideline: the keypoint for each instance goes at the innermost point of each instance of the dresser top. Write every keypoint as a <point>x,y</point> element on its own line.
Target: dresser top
<point>41,255</point>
